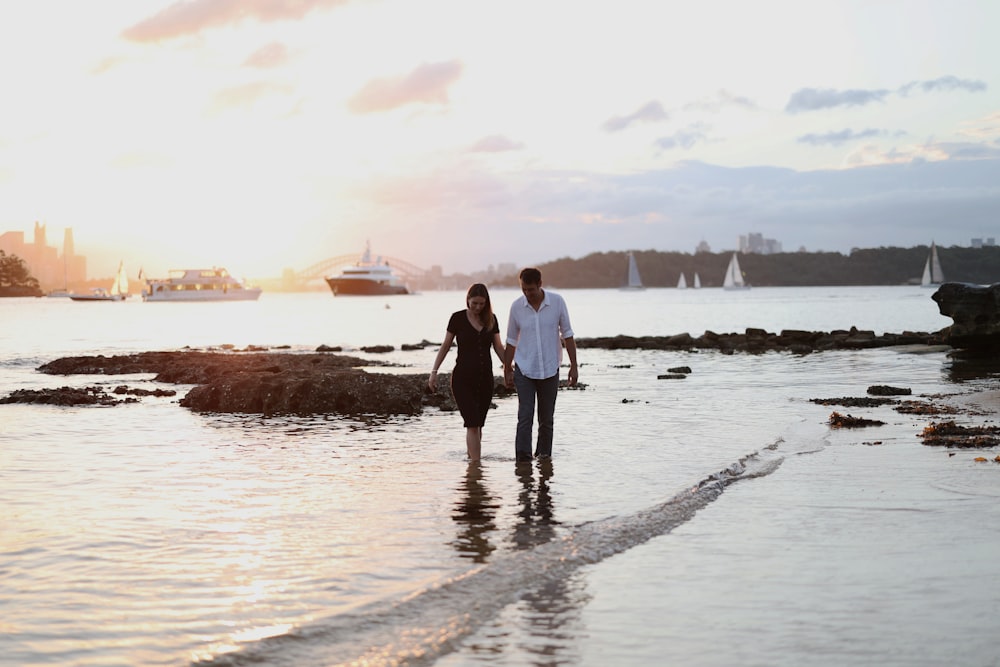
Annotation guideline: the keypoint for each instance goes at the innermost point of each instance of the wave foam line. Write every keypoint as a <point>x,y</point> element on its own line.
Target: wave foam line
<point>430,623</point>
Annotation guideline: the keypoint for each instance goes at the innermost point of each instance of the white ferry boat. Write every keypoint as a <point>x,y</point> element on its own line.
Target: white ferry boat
<point>199,285</point>
<point>367,278</point>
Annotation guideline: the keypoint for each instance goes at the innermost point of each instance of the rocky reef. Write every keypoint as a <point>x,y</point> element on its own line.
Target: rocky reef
<point>758,341</point>
<point>266,383</point>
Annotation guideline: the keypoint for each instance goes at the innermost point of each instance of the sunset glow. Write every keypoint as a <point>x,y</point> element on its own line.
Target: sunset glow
<point>260,135</point>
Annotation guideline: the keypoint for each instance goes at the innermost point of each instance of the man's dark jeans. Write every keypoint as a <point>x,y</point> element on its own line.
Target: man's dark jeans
<point>527,391</point>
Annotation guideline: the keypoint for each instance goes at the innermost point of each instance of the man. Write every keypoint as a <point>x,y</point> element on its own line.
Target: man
<point>538,322</point>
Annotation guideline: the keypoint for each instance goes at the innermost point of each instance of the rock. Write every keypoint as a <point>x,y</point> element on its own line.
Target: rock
<point>680,369</point>
<point>64,396</point>
<point>975,313</point>
<point>269,383</point>
<point>671,376</point>
<point>886,390</point>
<point>759,341</point>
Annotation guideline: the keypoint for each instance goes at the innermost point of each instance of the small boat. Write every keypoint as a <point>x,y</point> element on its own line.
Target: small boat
<point>682,282</point>
<point>367,278</point>
<point>933,275</point>
<point>734,276</point>
<point>214,284</point>
<point>59,294</point>
<point>118,291</point>
<point>632,279</point>
<point>697,281</point>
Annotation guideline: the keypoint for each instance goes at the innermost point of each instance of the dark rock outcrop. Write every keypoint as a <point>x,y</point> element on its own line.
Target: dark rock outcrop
<point>888,390</point>
<point>758,341</point>
<point>975,313</point>
<point>275,383</point>
<point>65,396</point>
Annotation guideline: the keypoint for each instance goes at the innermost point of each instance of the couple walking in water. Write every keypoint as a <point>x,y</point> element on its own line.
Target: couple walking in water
<point>537,329</point>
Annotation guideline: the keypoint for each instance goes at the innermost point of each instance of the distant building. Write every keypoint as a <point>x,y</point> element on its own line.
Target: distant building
<point>52,270</point>
<point>702,247</point>
<point>980,243</point>
<point>755,243</point>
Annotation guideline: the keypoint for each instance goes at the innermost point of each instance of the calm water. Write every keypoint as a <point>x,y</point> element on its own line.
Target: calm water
<point>147,535</point>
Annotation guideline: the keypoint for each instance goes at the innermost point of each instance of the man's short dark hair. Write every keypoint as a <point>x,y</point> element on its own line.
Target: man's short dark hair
<point>531,276</point>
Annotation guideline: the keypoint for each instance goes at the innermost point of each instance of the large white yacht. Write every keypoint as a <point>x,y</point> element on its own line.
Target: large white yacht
<point>199,285</point>
<point>367,278</point>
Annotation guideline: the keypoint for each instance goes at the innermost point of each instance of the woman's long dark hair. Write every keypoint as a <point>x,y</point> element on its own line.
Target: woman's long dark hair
<point>485,317</point>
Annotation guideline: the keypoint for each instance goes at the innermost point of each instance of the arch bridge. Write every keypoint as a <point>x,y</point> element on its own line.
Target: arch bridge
<point>323,268</point>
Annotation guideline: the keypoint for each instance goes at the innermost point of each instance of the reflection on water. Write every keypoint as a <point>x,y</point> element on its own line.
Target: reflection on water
<point>965,367</point>
<point>537,524</point>
<point>475,512</point>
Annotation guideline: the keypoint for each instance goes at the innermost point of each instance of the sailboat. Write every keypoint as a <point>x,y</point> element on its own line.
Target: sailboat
<point>734,276</point>
<point>697,281</point>
<point>632,279</point>
<point>118,291</point>
<point>682,282</point>
<point>933,275</point>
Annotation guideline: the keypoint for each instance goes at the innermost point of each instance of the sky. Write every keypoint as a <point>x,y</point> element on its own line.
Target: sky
<point>262,135</point>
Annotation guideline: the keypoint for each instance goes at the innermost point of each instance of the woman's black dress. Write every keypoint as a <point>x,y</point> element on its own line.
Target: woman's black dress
<point>472,379</point>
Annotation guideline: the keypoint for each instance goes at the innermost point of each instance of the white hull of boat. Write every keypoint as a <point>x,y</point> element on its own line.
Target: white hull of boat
<point>118,291</point>
<point>188,285</point>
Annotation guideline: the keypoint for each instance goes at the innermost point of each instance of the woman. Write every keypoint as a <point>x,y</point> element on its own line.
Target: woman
<point>477,330</point>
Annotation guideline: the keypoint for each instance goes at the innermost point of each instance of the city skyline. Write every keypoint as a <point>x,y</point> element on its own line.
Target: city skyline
<point>261,136</point>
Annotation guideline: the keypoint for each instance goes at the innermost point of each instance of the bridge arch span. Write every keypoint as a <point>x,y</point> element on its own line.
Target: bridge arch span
<point>331,265</point>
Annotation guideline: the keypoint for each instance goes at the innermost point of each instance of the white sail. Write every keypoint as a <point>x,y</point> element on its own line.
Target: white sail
<point>682,282</point>
<point>933,275</point>
<point>734,276</point>
<point>697,281</point>
<point>632,279</point>
<point>120,287</point>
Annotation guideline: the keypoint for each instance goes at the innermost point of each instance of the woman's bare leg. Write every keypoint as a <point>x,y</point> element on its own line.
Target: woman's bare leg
<point>474,442</point>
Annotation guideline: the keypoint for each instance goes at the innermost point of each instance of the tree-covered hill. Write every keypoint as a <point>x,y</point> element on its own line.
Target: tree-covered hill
<point>874,266</point>
<point>15,279</point>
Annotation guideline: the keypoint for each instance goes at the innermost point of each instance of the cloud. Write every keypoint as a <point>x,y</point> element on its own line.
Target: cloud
<point>984,128</point>
<point>575,213</point>
<point>944,83</point>
<point>719,101</point>
<point>496,143</point>
<point>427,84</point>
<point>686,138</point>
<point>189,17</point>
<point>840,137</point>
<point>248,94</point>
<point>268,56</point>
<point>651,112</point>
<point>813,99</point>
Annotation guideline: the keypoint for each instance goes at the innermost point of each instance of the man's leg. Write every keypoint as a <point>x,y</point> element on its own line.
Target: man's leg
<point>525,415</point>
<point>547,390</point>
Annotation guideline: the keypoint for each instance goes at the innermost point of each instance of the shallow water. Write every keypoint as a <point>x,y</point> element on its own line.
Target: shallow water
<point>145,534</point>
